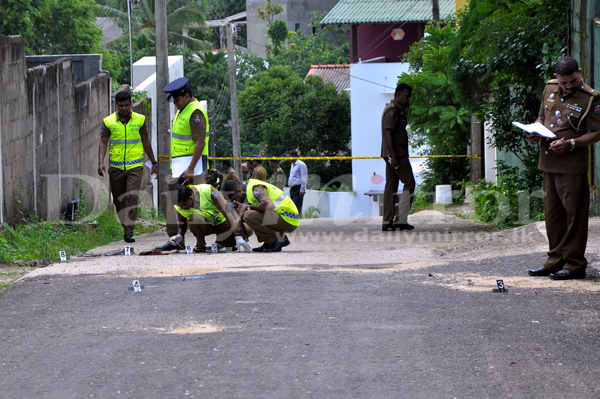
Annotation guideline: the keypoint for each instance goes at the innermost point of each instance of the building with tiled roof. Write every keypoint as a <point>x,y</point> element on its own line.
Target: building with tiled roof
<point>338,74</point>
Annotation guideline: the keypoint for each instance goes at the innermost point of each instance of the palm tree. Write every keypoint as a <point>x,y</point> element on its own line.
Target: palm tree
<point>182,16</point>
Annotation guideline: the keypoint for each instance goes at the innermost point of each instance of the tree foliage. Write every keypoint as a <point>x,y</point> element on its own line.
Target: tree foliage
<point>503,53</point>
<point>49,26</point>
<point>269,10</point>
<point>437,121</point>
<point>303,51</point>
<point>181,14</point>
<point>279,112</point>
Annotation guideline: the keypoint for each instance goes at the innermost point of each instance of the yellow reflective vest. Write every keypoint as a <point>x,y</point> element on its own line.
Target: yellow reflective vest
<point>181,138</point>
<point>283,203</point>
<point>126,148</point>
<point>206,207</point>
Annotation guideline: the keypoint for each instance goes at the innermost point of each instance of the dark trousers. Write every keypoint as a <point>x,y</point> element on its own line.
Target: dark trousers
<point>295,196</point>
<point>566,207</point>
<point>124,186</point>
<point>393,176</point>
<point>171,212</point>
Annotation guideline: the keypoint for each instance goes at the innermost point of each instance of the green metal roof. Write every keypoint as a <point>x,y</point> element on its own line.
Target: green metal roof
<point>385,11</point>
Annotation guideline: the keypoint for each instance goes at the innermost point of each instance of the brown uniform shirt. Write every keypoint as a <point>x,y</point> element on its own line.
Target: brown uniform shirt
<point>230,175</point>
<point>105,131</point>
<point>198,129</point>
<point>395,119</point>
<point>260,173</point>
<point>579,113</point>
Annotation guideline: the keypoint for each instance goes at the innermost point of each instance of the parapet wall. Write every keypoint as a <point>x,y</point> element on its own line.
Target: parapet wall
<point>49,134</point>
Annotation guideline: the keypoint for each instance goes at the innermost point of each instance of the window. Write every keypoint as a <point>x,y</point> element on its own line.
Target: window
<point>297,27</point>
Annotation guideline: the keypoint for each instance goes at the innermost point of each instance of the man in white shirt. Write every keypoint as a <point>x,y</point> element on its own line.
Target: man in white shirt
<point>298,179</point>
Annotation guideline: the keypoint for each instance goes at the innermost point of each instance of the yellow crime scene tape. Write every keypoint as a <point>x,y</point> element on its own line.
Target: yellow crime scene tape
<point>166,158</point>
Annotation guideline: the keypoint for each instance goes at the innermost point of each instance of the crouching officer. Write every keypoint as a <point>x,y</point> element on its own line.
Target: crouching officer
<point>270,212</point>
<point>203,209</point>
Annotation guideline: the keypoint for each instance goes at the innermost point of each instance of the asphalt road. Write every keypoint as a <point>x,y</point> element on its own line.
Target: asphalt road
<point>373,331</point>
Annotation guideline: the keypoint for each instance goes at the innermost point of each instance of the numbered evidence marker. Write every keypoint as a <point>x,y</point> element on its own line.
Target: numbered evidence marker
<point>214,248</point>
<point>127,251</point>
<point>136,286</point>
<point>188,249</point>
<point>63,256</point>
<point>501,286</point>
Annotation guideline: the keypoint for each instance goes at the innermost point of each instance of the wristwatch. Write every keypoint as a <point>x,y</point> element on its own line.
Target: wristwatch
<point>572,144</point>
<point>154,163</point>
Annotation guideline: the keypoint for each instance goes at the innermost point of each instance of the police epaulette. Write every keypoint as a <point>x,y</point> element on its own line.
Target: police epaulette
<point>552,81</point>
<point>589,90</point>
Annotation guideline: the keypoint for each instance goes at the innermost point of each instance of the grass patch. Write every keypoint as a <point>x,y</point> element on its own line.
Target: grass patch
<point>37,239</point>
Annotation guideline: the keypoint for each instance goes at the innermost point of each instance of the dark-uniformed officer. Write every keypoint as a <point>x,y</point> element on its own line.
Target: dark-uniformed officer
<point>270,213</point>
<point>229,171</point>
<point>278,177</point>
<point>213,176</point>
<point>189,141</point>
<point>571,110</point>
<point>126,131</point>
<point>394,150</point>
<point>260,173</point>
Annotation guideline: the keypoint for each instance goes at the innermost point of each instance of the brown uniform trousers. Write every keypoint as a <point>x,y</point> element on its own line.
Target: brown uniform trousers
<point>393,176</point>
<point>268,226</point>
<point>200,228</point>
<point>124,186</point>
<point>566,211</point>
<point>171,212</point>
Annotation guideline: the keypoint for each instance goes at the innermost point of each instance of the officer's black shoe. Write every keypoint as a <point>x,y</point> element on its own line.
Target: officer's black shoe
<point>170,247</point>
<point>565,274</point>
<point>275,247</point>
<point>539,272</point>
<point>128,238</point>
<point>285,242</point>
<point>388,227</point>
<point>261,248</point>
<point>198,249</point>
<point>404,226</point>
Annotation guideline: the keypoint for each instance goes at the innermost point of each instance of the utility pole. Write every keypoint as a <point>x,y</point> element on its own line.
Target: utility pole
<point>163,137</point>
<point>213,139</point>
<point>435,10</point>
<point>235,123</point>
<point>476,149</point>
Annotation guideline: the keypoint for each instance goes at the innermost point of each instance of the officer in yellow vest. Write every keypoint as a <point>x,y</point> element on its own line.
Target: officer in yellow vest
<point>204,210</point>
<point>128,137</point>
<point>270,213</point>
<point>189,140</point>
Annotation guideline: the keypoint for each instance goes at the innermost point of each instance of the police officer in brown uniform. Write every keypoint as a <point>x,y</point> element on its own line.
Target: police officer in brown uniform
<point>571,110</point>
<point>260,173</point>
<point>229,171</point>
<point>394,150</point>
<point>188,139</point>
<point>127,135</point>
<point>278,177</point>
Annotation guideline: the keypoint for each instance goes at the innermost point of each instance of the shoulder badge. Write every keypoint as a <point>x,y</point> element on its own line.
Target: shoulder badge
<point>197,119</point>
<point>214,195</point>
<point>392,114</point>
<point>233,174</point>
<point>597,109</point>
<point>256,193</point>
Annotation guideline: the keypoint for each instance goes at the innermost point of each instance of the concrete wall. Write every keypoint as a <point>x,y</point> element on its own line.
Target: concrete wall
<point>49,133</point>
<point>85,66</point>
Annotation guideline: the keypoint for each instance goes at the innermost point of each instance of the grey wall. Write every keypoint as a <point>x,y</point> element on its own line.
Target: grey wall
<point>49,134</point>
<point>85,66</point>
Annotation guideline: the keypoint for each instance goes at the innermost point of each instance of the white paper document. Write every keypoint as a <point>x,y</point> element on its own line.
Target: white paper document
<point>180,164</point>
<point>536,128</point>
